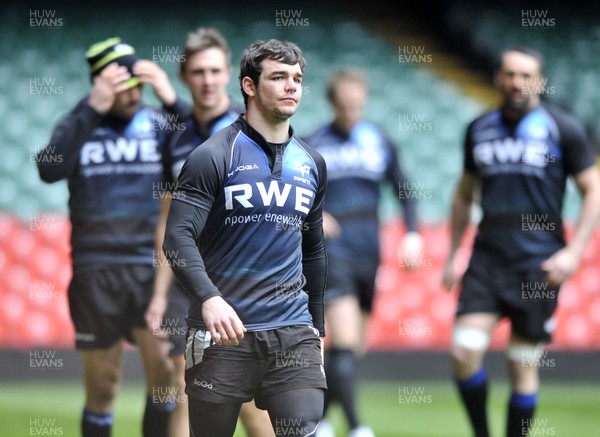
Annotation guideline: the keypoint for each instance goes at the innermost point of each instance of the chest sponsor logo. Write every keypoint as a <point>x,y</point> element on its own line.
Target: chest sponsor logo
<point>513,151</point>
<point>275,194</point>
<point>351,157</point>
<point>120,150</point>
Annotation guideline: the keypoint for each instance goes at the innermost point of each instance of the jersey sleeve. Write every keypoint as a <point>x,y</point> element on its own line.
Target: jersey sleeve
<point>396,176</point>
<point>200,180</point>
<point>65,143</point>
<point>314,258</point>
<point>184,226</point>
<point>203,172</point>
<point>468,160</point>
<point>183,111</point>
<point>577,152</point>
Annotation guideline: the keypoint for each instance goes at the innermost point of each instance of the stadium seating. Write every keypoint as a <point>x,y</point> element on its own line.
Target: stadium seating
<point>411,310</point>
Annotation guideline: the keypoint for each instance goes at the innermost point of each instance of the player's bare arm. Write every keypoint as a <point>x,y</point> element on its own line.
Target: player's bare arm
<point>163,273</point>
<point>149,72</point>
<point>563,264</point>
<point>462,202</point>
<point>331,227</point>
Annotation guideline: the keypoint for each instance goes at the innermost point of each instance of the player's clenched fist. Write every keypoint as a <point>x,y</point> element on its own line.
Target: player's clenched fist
<point>224,325</point>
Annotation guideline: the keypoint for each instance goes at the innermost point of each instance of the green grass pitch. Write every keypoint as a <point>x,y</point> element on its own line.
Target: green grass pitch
<point>392,409</point>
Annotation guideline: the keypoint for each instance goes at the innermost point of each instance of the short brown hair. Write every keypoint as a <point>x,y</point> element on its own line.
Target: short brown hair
<point>282,51</point>
<point>354,75</point>
<point>201,39</point>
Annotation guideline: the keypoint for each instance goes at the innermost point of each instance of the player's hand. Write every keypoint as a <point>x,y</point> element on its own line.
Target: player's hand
<point>449,277</point>
<point>110,82</point>
<point>560,266</point>
<point>224,325</point>
<point>154,315</point>
<point>410,250</point>
<point>150,72</point>
<point>331,227</point>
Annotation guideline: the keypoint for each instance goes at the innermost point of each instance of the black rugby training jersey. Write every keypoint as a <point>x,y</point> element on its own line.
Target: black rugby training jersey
<point>114,170</point>
<point>358,165</point>
<point>246,223</point>
<point>523,167</point>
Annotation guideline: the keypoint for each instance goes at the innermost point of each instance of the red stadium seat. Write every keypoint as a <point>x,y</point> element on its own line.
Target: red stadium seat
<point>8,225</point>
<point>22,244</point>
<point>37,329</point>
<point>36,270</point>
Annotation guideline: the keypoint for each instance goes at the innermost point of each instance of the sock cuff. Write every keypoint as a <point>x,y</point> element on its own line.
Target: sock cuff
<point>521,400</point>
<point>474,381</point>
<point>99,419</point>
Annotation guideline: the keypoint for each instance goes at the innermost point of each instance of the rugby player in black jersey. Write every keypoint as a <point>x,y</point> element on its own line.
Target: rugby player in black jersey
<point>205,68</point>
<point>246,218</point>
<point>112,157</point>
<point>517,161</point>
<point>361,159</point>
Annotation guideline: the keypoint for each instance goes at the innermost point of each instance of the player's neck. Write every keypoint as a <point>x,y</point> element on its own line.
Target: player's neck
<point>342,128</point>
<point>204,115</point>
<point>273,130</point>
<point>518,113</point>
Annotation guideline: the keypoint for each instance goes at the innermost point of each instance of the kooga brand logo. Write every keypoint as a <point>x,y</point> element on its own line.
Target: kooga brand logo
<point>203,384</point>
<point>244,168</point>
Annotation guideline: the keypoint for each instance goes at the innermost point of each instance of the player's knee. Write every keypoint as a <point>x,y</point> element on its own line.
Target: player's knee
<point>468,338</point>
<point>161,369</point>
<point>525,354</point>
<point>102,392</point>
<point>469,346</point>
<point>103,377</point>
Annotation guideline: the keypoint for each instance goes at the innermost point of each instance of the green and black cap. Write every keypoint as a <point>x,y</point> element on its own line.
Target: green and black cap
<point>103,53</point>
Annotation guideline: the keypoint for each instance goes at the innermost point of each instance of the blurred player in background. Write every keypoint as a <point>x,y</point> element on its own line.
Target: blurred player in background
<point>517,160</point>
<point>246,218</point>
<point>113,158</point>
<point>205,69</point>
<point>360,159</point>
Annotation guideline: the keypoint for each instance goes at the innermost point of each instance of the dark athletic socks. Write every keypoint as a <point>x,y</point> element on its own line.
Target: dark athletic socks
<point>96,424</point>
<point>520,412</point>
<point>473,392</point>
<point>340,368</point>
<point>157,416</point>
